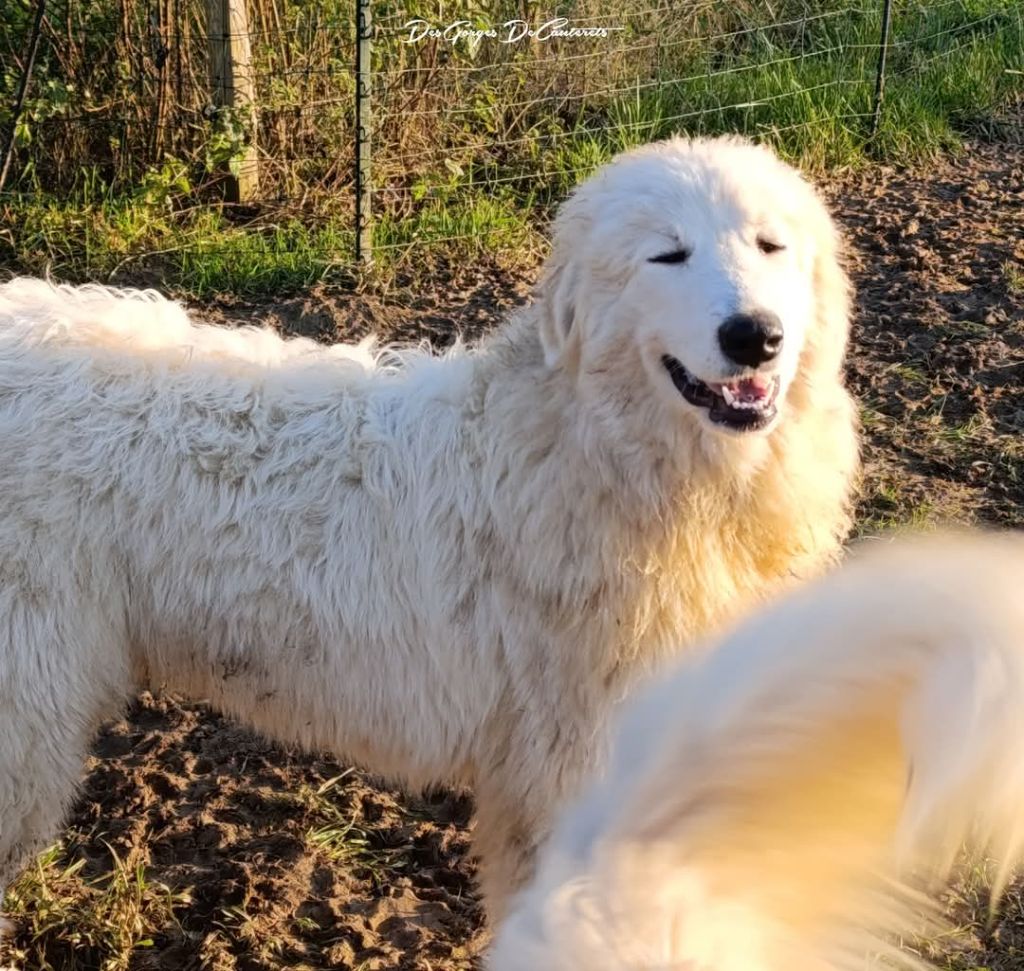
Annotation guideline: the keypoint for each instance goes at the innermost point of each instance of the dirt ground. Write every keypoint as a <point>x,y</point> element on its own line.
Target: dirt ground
<point>278,859</point>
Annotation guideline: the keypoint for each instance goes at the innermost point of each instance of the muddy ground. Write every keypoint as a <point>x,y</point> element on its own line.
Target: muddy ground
<point>278,859</point>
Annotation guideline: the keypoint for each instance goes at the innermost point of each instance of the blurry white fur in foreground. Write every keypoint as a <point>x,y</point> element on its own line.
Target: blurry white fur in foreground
<point>790,801</point>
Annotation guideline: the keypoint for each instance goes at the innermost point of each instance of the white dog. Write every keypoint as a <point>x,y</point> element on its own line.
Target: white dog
<point>783,802</point>
<point>450,568</point>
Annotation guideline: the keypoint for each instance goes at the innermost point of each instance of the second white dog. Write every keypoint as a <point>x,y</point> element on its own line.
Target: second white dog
<point>447,569</point>
<point>786,801</point>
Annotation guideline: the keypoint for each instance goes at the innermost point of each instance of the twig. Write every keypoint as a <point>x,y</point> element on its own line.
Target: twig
<point>19,101</point>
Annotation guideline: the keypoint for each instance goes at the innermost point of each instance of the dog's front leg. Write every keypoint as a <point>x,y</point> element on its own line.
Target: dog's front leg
<point>506,837</point>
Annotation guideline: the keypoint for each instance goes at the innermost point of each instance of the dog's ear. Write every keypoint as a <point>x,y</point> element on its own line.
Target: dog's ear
<point>559,311</point>
<point>826,343</point>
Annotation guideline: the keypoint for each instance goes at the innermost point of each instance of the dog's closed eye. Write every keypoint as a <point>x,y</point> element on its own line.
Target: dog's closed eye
<point>768,246</point>
<point>673,256</point>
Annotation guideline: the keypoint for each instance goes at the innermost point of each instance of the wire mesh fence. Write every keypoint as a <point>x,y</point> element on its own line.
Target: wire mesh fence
<point>463,122</point>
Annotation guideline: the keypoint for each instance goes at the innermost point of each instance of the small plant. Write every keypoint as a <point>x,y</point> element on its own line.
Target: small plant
<point>162,185</point>
<point>1013,273</point>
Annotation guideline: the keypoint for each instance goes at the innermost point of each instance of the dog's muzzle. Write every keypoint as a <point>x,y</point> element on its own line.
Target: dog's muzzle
<point>746,405</point>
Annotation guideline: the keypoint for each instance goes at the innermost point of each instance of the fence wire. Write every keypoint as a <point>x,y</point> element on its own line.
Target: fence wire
<point>466,132</point>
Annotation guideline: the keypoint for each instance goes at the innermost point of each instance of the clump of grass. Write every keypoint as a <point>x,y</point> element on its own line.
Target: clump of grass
<point>263,259</point>
<point>472,223</point>
<point>889,509</point>
<point>334,832</point>
<point>1013,273</point>
<point>66,921</point>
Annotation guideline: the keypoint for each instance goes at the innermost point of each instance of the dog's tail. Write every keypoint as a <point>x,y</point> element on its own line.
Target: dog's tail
<point>790,800</point>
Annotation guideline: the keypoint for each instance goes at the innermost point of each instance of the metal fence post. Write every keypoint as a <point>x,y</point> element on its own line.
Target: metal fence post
<point>883,51</point>
<point>364,226</point>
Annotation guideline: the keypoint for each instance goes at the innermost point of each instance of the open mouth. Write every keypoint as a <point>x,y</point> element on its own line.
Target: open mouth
<point>745,405</point>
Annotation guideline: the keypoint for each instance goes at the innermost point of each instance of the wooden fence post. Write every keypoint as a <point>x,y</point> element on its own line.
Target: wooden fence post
<point>227,24</point>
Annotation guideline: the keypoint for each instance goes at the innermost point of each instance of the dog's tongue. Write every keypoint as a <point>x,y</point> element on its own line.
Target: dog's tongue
<point>754,388</point>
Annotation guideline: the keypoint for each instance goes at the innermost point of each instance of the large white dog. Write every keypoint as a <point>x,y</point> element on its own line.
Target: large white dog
<point>449,568</point>
<point>785,801</point>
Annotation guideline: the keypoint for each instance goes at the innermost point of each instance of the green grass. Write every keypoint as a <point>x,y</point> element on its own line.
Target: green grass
<point>262,259</point>
<point>489,172</point>
<point>68,920</point>
<point>103,923</point>
<point>201,252</point>
<point>889,511</point>
<point>336,834</point>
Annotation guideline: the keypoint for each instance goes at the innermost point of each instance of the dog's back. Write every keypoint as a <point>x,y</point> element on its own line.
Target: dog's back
<point>145,323</point>
<point>84,313</point>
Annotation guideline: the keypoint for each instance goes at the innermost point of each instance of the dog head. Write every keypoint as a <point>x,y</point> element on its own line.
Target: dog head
<point>714,265</point>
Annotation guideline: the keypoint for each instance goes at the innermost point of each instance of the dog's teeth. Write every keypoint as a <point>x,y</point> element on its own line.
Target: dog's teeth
<point>730,398</point>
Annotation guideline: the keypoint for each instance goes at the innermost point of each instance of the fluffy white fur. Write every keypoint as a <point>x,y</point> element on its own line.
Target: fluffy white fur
<point>785,801</point>
<point>447,568</point>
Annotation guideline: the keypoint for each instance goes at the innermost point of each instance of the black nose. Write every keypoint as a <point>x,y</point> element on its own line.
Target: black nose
<point>751,339</point>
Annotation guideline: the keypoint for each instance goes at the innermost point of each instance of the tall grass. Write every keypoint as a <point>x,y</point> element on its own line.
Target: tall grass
<point>118,170</point>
